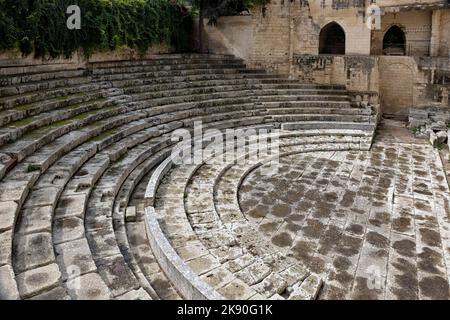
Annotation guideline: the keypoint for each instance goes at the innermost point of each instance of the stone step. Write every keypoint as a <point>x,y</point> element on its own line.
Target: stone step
<point>95,170</point>
<point>163,69</point>
<point>306,104</point>
<point>142,251</point>
<point>17,67</point>
<point>14,80</point>
<point>25,101</point>
<point>162,62</point>
<point>40,137</point>
<point>41,85</point>
<point>33,109</point>
<point>184,247</point>
<point>72,178</point>
<point>339,118</point>
<point>129,227</point>
<point>217,70</point>
<point>174,90</point>
<point>305,97</point>
<point>195,80</point>
<point>140,85</point>
<point>17,129</point>
<point>99,224</point>
<point>295,84</point>
<point>168,59</point>
<point>301,91</point>
<point>257,71</point>
<point>327,125</point>
<point>65,165</point>
<point>183,105</point>
<point>320,110</point>
<point>280,80</point>
<point>167,99</point>
<point>4,236</point>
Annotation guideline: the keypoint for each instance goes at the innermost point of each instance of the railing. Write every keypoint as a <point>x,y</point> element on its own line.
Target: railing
<point>413,47</point>
<point>394,49</point>
<point>435,63</point>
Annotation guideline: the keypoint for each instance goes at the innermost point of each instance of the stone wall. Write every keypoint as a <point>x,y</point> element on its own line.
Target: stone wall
<point>359,74</point>
<point>350,15</point>
<point>402,84</point>
<point>283,37</point>
<point>444,32</point>
<point>272,36</point>
<point>231,35</point>
<point>417,28</point>
<point>386,3</point>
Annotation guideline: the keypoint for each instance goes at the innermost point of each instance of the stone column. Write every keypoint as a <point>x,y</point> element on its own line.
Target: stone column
<point>291,40</point>
<point>435,33</point>
<point>444,97</point>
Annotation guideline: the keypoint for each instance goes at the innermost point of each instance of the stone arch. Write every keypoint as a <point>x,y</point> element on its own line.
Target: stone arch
<point>394,41</point>
<point>332,39</point>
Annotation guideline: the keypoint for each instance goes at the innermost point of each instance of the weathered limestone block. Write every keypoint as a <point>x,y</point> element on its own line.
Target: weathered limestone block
<point>433,138</point>
<point>43,197</point>
<point>130,214</point>
<point>88,287</point>
<point>139,294</point>
<point>270,285</point>
<point>117,275</point>
<point>38,280</point>
<point>5,247</point>
<point>8,286</point>
<point>33,250</point>
<point>308,289</point>
<point>74,258</point>
<point>218,277</point>
<point>58,293</point>
<point>237,289</point>
<point>254,273</point>
<point>441,137</point>
<point>71,206</point>
<point>8,212</point>
<point>68,229</point>
<point>37,219</point>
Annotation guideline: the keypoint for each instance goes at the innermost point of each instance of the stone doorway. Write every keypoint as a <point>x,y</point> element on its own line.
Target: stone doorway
<point>394,42</point>
<point>332,39</point>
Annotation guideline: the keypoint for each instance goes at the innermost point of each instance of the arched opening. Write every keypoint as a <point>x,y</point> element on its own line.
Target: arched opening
<point>394,42</point>
<point>332,39</point>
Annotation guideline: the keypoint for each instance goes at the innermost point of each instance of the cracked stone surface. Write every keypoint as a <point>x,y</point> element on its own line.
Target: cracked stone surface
<point>374,224</point>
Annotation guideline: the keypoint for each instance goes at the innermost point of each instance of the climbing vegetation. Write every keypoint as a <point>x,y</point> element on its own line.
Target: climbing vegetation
<point>39,26</point>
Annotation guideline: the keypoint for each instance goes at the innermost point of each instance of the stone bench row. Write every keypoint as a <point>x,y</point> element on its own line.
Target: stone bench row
<point>43,168</point>
<point>89,116</point>
<point>150,196</point>
<point>20,127</point>
<point>13,75</point>
<point>166,59</point>
<point>41,152</point>
<point>46,286</point>
<point>24,84</point>
<point>167,68</point>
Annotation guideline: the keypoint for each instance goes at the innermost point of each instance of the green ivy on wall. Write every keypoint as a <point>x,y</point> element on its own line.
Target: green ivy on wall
<point>39,26</point>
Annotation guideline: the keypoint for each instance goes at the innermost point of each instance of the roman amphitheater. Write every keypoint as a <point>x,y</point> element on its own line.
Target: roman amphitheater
<point>353,94</point>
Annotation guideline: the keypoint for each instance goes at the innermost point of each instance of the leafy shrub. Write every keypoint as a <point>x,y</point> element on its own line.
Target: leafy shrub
<point>40,26</point>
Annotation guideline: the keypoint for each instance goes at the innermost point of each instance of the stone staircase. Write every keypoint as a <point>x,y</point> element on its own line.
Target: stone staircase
<point>79,149</point>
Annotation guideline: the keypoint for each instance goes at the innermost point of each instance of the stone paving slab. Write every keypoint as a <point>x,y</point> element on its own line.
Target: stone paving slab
<point>374,224</point>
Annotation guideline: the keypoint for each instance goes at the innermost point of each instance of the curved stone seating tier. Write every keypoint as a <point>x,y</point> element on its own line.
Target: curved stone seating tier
<point>235,271</point>
<point>79,146</point>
